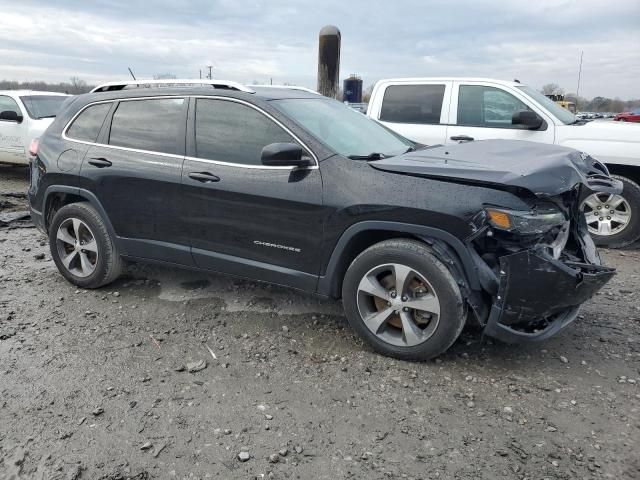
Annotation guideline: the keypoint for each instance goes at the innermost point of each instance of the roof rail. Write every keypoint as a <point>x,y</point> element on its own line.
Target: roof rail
<point>289,87</point>
<point>121,85</point>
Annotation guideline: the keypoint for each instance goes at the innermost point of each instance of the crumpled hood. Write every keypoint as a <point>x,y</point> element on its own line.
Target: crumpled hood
<point>545,170</point>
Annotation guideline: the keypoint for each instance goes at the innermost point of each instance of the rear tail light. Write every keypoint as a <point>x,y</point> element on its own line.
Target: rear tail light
<point>33,147</point>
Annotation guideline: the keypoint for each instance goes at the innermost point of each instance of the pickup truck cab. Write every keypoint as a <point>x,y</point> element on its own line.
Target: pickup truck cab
<point>435,111</point>
<point>24,116</point>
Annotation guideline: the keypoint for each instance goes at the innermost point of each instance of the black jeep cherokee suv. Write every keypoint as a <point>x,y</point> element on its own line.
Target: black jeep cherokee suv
<point>289,187</point>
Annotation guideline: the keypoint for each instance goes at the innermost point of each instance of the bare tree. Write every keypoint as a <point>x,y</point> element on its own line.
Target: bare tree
<point>552,89</point>
<point>164,76</point>
<point>77,86</point>
<point>366,95</point>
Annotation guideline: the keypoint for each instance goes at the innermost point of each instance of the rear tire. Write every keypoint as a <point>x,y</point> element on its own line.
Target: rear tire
<point>82,248</point>
<point>416,311</point>
<point>631,232</point>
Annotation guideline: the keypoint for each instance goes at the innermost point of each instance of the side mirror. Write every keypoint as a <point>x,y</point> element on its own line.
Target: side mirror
<point>284,155</point>
<point>529,119</point>
<point>11,116</point>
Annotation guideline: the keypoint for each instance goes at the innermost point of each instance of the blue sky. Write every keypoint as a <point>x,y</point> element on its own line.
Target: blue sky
<point>537,42</point>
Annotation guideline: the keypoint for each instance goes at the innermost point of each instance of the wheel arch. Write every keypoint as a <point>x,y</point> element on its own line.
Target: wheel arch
<point>631,172</point>
<point>362,235</point>
<point>57,196</point>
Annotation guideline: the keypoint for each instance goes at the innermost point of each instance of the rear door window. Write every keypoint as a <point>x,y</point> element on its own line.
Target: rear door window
<point>482,106</point>
<point>152,125</point>
<point>417,104</point>
<point>88,124</point>
<point>233,132</point>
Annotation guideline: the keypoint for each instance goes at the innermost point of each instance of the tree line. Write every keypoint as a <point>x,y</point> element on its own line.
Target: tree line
<point>75,86</point>
<point>595,104</point>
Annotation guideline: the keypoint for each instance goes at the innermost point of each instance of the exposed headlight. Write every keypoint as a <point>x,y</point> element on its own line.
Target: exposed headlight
<point>525,222</point>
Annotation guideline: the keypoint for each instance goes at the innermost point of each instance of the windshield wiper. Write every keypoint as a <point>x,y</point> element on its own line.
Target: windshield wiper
<point>371,156</point>
<point>46,116</point>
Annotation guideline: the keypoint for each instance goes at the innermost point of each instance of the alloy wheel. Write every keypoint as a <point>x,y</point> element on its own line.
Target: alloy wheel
<point>77,247</point>
<point>606,214</point>
<point>398,305</point>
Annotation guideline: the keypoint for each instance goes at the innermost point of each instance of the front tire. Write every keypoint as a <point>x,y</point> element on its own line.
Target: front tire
<point>614,220</point>
<point>403,301</point>
<point>82,248</point>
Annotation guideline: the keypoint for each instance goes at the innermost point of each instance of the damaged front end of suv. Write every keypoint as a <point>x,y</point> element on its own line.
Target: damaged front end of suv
<point>539,266</point>
<point>536,266</point>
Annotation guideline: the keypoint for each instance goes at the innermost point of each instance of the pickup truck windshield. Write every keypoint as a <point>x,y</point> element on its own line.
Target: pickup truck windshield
<point>43,106</point>
<point>345,131</point>
<point>562,114</point>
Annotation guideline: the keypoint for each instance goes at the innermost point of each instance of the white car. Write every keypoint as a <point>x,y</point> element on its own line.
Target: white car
<point>445,110</point>
<point>24,116</point>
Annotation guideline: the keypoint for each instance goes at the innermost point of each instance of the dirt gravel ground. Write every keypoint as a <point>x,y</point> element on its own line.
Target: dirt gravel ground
<point>96,384</point>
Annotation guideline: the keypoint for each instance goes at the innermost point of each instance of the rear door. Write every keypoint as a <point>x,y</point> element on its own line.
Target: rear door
<point>12,133</point>
<point>135,170</point>
<point>244,218</point>
<point>418,111</point>
<point>482,111</point>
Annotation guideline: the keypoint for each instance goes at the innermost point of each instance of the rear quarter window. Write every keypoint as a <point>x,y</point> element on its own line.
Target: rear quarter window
<point>88,124</point>
<point>418,104</point>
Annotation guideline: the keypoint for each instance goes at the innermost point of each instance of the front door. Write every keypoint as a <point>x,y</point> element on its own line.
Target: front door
<point>244,218</point>
<point>12,133</point>
<point>484,112</point>
<point>135,171</point>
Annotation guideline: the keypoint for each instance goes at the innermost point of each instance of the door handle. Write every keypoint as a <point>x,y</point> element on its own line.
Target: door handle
<point>204,177</point>
<point>462,138</point>
<point>100,162</point>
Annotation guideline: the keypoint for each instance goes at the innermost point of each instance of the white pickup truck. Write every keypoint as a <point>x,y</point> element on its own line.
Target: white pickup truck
<point>446,110</point>
<point>24,115</point>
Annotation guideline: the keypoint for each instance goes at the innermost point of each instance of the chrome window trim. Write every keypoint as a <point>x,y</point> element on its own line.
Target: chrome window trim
<point>206,160</point>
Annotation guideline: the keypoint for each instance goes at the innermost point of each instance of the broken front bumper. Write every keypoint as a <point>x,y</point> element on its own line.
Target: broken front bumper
<point>538,295</point>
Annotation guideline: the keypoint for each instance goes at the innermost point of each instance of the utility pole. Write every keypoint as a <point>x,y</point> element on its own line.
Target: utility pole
<point>579,75</point>
<point>210,77</point>
<point>200,74</point>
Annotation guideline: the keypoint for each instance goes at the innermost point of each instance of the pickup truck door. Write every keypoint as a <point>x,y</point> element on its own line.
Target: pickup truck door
<point>418,111</point>
<point>12,133</point>
<point>482,111</point>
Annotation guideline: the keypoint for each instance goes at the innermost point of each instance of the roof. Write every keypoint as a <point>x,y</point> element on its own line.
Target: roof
<point>216,83</point>
<point>452,79</point>
<point>261,92</point>
<point>31,92</point>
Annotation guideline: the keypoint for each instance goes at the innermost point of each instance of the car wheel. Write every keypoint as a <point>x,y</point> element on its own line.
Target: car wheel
<point>82,248</point>
<point>614,220</point>
<point>403,301</point>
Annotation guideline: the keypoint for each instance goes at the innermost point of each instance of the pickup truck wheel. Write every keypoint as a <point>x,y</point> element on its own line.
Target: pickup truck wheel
<point>82,247</point>
<point>403,301</point>
<point>614,220</point>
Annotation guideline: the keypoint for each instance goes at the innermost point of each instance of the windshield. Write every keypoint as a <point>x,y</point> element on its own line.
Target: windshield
<point>43,106</point>
<point>341,128</point>
<point>562,114</point>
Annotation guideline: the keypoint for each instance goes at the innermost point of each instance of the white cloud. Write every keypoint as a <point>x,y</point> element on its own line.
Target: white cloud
<point>537,42</point>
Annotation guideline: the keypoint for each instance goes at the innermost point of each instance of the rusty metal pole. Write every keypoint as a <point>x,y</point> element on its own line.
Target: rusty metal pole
<point>329,61</point>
